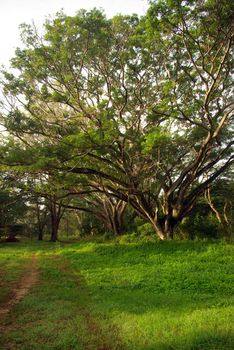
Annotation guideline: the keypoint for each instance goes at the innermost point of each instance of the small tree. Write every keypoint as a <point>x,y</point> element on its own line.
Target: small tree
<point>219,197</point>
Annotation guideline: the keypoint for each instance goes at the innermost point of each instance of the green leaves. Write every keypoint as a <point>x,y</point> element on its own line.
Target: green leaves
<point>58,97</point>
<point>156,139</point>
<point>168,86</point>
<point>148,99</point>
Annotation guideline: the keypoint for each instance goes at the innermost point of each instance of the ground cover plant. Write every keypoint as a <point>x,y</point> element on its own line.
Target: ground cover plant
<point>151,295</point>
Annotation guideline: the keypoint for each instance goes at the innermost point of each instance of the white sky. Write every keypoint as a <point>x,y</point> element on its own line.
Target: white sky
<point>15,12</point>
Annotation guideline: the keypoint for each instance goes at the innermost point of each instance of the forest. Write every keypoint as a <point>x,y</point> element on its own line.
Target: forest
<point>117,146</point>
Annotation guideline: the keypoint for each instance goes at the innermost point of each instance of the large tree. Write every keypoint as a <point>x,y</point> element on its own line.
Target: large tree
<point>140,108</point>
<point>106,208</point>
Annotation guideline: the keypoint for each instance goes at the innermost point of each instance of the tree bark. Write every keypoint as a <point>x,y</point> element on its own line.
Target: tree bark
<point>40,235</point>
<point>41,217</point>
<point>56,213</point>
<point>54,231</point>
<point>112,215</point>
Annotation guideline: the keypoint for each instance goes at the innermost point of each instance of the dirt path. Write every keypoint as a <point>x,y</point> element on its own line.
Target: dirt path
<point>94,337</point>
<point>21,289</point>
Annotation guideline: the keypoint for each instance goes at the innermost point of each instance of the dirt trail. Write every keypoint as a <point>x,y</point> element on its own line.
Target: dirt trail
<point>27,281</point>
<point>95,335</point>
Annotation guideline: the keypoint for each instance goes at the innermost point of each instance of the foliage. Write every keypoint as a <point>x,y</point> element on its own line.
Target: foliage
<point>137,109</point>
<point>90,225</point>
<point>200,226</point>
<point>13,203</point>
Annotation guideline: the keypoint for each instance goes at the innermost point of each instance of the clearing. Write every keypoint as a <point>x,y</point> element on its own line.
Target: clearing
<point>109,296</point>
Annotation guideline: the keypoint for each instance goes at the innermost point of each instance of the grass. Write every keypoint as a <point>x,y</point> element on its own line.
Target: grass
<point>12,265</point>
<point>143,296</point>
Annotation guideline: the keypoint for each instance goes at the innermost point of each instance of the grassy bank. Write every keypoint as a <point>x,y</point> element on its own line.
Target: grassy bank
<point>169,295</point>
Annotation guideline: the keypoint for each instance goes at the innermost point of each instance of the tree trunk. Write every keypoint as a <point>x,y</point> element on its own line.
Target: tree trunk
<point>164,228</point>
<point>55,215</point>
<point>40,221</point>
<point>169,227</point>
<point>117,222</point>
<point>158,229</point>
<point>40,235</point>
<point>54,232</point>
<point>54,228</point>
<point>169,234</point>
<point>114,224</point>
<point>114,213</point>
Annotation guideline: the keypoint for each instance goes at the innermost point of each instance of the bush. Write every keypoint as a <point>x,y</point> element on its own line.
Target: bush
<point>90,225</point>
<point>199,226</point>
<point>143,233</point>
<point>145,230</point>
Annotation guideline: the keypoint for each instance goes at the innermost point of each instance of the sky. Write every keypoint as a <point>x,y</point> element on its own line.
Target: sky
<point>15,12</point>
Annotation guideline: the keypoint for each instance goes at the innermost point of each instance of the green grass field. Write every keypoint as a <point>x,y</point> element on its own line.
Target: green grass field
<point>143,296</point>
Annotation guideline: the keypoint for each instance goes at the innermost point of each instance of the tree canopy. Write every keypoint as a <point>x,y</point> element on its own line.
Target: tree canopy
<point>137,110</point>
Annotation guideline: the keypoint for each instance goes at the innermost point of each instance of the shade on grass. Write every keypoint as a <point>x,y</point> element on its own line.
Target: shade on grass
<point>169,295</point>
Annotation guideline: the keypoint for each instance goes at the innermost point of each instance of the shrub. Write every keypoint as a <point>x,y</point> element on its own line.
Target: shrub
<point>199,226</point>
